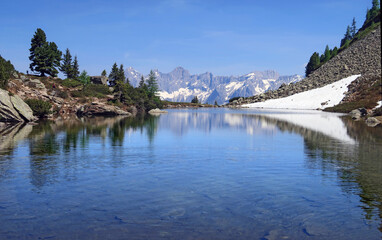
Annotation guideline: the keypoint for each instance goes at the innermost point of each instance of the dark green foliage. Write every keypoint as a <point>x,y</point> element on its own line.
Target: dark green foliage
<point>216,103</point>
<point>66,65</point>
<point>44,55</point>
<point>313,64</point>
<point>353,29</point>
<point>71,83</point>
<point>347,36</point>
<point>326,54</point>
<point>233,99</point>
<point>6,69</point>
<point>39,107</point>
<point>121,75</point>
<point>152,84</point>
<point>334,52</point>
<point>92,90</point>
<point>75,68</point>
<point>103,73</point>
<point>195,100</point>
<point>84,78</point>
<point>142,82</point>
<point>113,76</point>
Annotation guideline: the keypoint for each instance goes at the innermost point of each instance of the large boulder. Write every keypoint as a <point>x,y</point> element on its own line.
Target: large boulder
<point>99,80</point>
<point>101,109</point>
<point>358,113</point>
<point>14,109</point>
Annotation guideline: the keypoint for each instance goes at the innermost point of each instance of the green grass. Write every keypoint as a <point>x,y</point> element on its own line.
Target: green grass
<point>71,83</point>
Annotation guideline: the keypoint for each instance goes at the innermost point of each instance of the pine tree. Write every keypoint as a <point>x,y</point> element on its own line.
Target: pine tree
<point>374,9</point>
<point>75,68</point>
<point>347,36</point>
<point>195,100</point>
<point>44,55</point>
<point>326,54</point>
<point>113,76</point>
<point>353,29</point>
<point>152,84</point>
<point>121,74</point>
<point>66,65</point>
<point>104,73</point>
<point>142,82</point>
<point>334,52</point>
<point>84,78</point>
<point>216,103</point>
<point>314,63</point>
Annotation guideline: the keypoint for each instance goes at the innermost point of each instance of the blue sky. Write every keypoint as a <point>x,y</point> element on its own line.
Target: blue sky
<point>222,37</point>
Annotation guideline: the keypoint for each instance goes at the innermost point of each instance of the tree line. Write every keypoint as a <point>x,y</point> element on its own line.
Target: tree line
<point>317,60</point>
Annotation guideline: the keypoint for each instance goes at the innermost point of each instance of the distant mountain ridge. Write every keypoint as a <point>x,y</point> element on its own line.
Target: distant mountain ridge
<point>180,86</point>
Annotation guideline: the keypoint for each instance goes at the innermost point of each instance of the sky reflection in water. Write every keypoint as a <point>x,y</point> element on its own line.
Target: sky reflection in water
<point>207,173</point>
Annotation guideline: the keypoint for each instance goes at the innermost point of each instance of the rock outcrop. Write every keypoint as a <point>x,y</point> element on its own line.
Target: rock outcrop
<point>99,80</point>
<point>361,57</point>
<point>100,109</point>
<point>156,111</point>
<point>14,109</point>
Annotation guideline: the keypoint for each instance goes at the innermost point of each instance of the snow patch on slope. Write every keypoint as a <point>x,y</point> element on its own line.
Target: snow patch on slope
<point>318,98</point>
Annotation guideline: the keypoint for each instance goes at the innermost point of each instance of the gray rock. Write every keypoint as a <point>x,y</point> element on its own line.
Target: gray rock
<point>358,113</point>
<point>99,80</point>
<point>157,111</point>
<point>22,108</point>
<point>35,83</point>
<point>372,122</point>
<point>14,109</point>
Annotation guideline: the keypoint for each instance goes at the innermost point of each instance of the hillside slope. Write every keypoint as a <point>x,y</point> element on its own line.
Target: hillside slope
<point>361,57</point>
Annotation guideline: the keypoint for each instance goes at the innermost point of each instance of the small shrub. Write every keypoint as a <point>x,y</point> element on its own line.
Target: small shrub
<point>71,83</point>
<point>39,107</point>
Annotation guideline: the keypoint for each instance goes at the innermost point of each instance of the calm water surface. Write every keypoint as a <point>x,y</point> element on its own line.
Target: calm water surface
<point>193,174</point>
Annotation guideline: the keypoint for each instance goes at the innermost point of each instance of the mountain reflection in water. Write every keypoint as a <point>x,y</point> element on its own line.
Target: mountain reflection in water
<point>53,155</point>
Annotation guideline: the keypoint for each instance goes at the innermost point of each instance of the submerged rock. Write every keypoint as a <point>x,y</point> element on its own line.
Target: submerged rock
<point>372,122</point>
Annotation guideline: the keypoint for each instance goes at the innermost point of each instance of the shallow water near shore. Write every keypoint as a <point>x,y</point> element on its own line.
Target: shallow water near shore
<point>193,174</point>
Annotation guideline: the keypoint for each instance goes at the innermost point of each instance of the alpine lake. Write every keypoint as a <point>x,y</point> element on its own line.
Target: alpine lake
<point>193,174</point>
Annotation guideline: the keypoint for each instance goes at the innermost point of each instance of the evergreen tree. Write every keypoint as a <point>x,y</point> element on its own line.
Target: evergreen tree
<point>113,76</point>
<point>374,9</point>
<point>347,36</point>
<point>103,73</point>
<point>75,68</point>
<point>334,52</point>
<point>44,55</point>
<point>121,74</point>
<point>84,78</point>
<point>313,64</point>
<point>195,100</point>
<point>353,29</point>
<point>6,70</point>
<point>142,82</point>
<point>326,54</point>
<point>66,65</point>
<point>152,84</point>
<point>216,103</point>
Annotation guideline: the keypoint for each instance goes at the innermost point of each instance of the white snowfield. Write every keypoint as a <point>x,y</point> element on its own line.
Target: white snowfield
<point>318,98</point>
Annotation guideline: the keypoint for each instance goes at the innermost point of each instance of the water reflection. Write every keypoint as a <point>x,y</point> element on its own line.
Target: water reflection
<point>146,171</point>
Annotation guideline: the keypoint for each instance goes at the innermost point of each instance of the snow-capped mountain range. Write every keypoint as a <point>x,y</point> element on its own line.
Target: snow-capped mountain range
<point>180,86</point>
